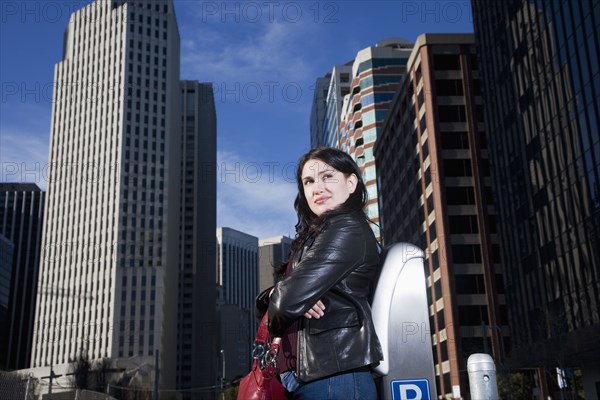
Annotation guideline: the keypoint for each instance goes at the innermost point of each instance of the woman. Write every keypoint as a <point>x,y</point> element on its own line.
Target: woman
<point>321,307</point>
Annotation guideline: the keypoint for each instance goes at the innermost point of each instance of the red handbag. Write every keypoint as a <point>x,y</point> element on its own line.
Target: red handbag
<point>262,383</point>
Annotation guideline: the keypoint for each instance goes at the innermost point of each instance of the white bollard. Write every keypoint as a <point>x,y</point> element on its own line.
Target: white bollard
<point>482,377</point>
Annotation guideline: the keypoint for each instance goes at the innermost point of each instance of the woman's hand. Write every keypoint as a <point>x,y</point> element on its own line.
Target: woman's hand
<point>316,311</point>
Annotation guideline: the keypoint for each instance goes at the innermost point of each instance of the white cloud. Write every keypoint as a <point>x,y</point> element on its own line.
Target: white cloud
<point>24,148</point>
<point>262,51</point>
<point>255,197</point>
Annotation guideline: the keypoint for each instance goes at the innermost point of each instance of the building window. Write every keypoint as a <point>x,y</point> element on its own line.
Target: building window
<point>432,232</point>
<point>444,62</point>
<point>452,113</point>
<point>438,289</point>
<point>455,140</point>
<point>472,315</point>
<point>449,87</point>
<point>469,284</point>
<point>460,224</point>
<point>423,124</point>
<point>460,195</point>
<point>457,167</point>
<point>369,173</point>
<point>466,253</point>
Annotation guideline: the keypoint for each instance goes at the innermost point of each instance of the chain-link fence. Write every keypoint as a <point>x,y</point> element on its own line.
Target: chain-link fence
<point>131,392</point>
<point>78,395</point>
<point>14,386</point>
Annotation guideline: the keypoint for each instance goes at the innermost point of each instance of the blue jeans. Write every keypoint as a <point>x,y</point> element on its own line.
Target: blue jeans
<point>352,385</point>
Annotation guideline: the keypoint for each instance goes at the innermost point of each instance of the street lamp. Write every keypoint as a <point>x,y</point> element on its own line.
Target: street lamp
<point>222,352</point>
<point>484,333</point>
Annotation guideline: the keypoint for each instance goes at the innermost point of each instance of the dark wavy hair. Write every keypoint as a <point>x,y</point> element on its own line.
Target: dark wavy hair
<point>308,222</point>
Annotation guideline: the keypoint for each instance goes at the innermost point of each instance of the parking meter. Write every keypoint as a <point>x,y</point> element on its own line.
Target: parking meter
<point>482,377</point>
<point>401,318</point>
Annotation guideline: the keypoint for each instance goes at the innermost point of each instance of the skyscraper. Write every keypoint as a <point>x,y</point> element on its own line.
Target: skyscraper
<point>237,263</point>
<point>197,340</point>
<point>237,275</point>
<point>272,252</point>
<point>354,124</point>
<point>21,218</point>
<point>6,266</point>
<point>434,177</point>
<point>317,113</point>
<point>327,106</point>
<point>541,90</point>
<point>111,231</point>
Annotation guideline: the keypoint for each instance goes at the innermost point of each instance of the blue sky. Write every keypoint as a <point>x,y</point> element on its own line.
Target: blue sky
<point>263,58</point>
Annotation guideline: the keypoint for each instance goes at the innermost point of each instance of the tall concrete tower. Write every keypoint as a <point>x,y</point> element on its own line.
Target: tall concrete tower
<point>111,233</point>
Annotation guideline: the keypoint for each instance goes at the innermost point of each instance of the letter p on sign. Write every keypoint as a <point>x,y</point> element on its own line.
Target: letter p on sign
<point>410,389</point>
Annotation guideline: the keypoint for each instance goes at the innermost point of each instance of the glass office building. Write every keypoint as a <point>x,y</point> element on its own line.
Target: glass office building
<point>326,111</point>
<point>197,357</point>
<point>541,89</point>
<point>21,219</point>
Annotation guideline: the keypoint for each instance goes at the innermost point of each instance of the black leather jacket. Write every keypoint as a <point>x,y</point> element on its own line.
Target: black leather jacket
<point>339,267</point>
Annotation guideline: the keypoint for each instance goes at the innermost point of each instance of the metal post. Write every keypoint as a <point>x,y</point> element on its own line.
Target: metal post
<point>51,376</point>
<point>484,337</point>
<point>482,377</point>
<point>156,374</point>
<point>107,391</point>
<point>222,352</point>
<point>223,368</point>
<point>504,371</point>
<point>28,387</point>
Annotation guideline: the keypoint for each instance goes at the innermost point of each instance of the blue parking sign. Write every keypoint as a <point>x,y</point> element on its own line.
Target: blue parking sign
<point>410,389</point>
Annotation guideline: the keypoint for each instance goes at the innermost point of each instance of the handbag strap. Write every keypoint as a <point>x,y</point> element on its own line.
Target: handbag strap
<point>262,335</point>
<point>270,359</point>
<point>264,351</point>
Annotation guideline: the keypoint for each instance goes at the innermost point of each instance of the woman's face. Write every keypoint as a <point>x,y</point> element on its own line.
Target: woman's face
<point>325,188</point>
